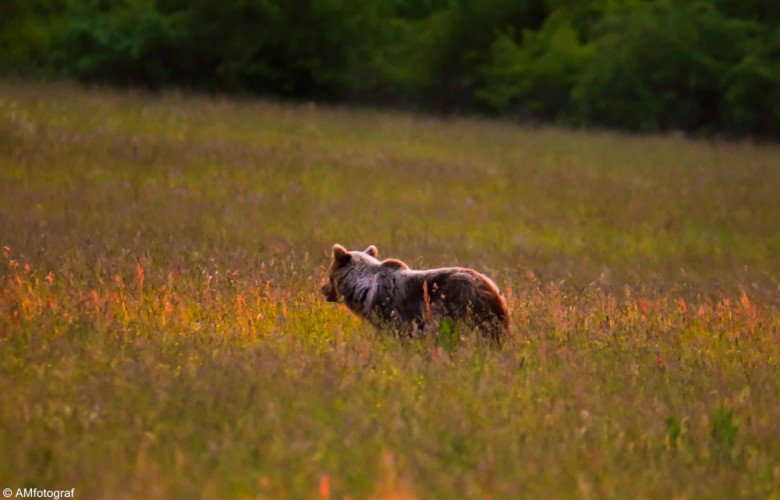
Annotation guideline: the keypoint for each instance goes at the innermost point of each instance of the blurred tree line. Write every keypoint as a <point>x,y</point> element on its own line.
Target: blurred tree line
<point>706,65</point>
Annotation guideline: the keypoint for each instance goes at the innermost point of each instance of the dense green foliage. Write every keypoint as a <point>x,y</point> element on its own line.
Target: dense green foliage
<point>706,65</point>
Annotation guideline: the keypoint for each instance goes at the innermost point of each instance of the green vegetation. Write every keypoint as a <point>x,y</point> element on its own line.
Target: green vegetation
<point>162,333</point>
<point>704,65</point>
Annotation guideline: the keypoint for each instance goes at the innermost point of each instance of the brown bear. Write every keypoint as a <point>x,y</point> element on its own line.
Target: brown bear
<point>388,293</point>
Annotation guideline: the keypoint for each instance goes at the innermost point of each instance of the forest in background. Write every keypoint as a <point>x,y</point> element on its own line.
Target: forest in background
<point>707,66</point>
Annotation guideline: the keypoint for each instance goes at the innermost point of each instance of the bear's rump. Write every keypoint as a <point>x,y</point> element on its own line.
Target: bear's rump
<point>453,292</point>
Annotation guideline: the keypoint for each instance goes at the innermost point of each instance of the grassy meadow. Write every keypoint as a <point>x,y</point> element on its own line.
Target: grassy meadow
<point>162,333</point>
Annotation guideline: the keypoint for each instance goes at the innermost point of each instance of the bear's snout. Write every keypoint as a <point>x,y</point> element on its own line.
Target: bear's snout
<point>329,292</point>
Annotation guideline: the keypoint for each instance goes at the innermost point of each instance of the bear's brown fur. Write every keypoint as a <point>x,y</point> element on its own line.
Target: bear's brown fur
<point>388,293</point>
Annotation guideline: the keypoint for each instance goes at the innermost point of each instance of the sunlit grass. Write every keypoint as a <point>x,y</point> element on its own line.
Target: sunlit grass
<point>162,333</point>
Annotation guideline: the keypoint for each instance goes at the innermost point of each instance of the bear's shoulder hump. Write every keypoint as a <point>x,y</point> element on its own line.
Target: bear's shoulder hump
<point>394,264</point>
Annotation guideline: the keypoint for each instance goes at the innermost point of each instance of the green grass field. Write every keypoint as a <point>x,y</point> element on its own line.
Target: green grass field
<point>162,333</point>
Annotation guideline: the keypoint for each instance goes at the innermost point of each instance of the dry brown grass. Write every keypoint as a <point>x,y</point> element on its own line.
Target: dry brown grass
<point>161,332</point>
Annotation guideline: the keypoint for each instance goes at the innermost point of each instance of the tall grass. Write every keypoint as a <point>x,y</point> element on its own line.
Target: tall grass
<point>161,332</point>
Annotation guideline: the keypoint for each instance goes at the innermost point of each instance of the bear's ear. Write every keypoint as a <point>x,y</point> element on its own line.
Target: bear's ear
<point>372,251</point>
<point>340,254</point>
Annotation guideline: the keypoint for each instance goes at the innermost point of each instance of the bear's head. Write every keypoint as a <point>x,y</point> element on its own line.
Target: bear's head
<point>345,262</point>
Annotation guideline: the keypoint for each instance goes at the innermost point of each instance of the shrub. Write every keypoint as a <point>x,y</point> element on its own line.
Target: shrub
<point>26,31</point>
<point>702,65</point>
<point>296,49</point>
<point>129,42</point>
<point>536,77</point>
<point>672,66</point>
